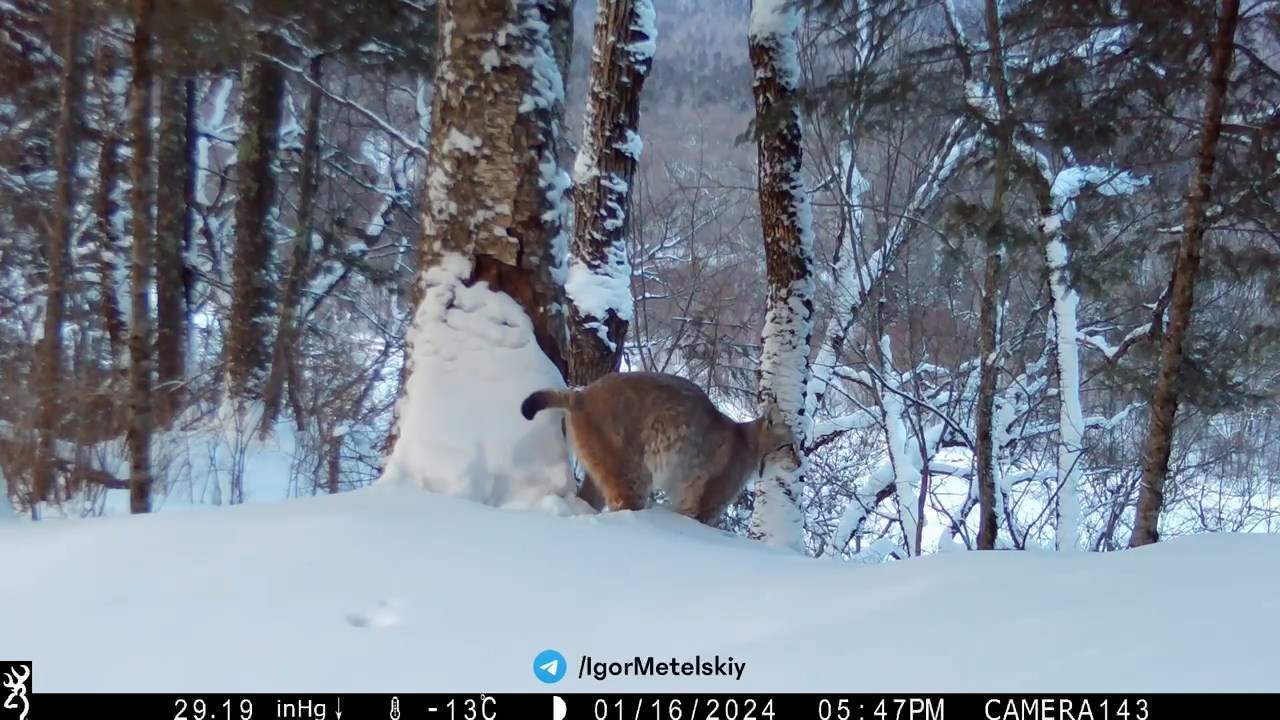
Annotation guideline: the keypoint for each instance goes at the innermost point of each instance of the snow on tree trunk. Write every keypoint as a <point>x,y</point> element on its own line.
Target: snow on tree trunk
<point>788,237</point>
<point>50,367</point>
<point>1057,195</point>
<point>1070,416</point>
<point>253,277</point>
<point>599,282</point>
<point>173,237</point>
<point>140,361</point>
<point>1164,400</point>
<point>488,323</point>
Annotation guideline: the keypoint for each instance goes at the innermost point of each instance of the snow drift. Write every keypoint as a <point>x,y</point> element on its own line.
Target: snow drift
<point>387,589</point>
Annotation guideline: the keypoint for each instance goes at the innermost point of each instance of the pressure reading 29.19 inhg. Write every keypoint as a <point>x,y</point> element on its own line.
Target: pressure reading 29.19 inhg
<point>201,709</point>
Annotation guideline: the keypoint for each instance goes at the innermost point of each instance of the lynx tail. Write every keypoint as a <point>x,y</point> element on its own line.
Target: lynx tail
<point>543,399</point>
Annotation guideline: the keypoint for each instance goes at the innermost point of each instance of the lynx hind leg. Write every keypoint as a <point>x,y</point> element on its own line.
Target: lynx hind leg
<point>623,484</point>
<point>590,493</point>
<point>691,497</point>
<point>711,515</point>
<point>717,495</point>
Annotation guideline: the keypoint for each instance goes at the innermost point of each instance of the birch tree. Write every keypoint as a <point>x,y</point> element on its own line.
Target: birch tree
<point>490,288</point>
<point>599,282</point>
<point>788,237</point>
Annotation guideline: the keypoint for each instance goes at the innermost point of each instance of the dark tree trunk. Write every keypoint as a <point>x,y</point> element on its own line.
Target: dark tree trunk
<point>288,333</point>
<point>173,228</point>
<point>989,330</point>
<point>252,274</point>
<point>51,375</point>
<point>333,465</point>
<point>621,57</point>
<point>985,453</point>
<point>140,411</point>
<point>1164,400</point>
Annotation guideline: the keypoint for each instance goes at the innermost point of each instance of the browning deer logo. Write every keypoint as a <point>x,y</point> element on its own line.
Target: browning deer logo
<point>17,681</point>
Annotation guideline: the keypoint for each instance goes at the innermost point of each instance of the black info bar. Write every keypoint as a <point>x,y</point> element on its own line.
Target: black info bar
<point>642,706</point>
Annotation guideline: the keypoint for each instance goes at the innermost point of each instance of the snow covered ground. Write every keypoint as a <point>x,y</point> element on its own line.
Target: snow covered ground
<point>388,589</point>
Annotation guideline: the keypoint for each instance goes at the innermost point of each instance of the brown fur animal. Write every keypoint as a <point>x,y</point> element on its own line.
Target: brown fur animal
<point>637,431</point>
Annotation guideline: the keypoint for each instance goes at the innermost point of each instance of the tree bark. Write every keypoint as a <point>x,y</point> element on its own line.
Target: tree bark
<point>288,334</point>
<point>173,237</point>
<point>1164,400</point>
<point>988,340</point>
<point>49,420</point>
<point>494,190</point>
<point>140,411</point>
<point>110,244</point>
<point>253,272</point>
<point>600,272</point>
<point>785,218</point>
<point>989,318</point>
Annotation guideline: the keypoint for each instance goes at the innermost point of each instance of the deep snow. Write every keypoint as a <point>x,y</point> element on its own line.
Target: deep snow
<point>389,589</point>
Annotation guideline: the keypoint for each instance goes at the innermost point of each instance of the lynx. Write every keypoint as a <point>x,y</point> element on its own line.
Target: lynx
<point>636,431</point>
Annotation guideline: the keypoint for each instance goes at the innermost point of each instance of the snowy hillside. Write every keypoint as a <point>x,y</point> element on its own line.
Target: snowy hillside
<point>387,589</point>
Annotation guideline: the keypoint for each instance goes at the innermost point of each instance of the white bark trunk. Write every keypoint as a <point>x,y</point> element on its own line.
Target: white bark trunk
<point>787,223</point>
<point>1070,415</point>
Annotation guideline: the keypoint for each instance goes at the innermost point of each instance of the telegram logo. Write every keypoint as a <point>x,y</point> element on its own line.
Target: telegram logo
<point>549,666</point>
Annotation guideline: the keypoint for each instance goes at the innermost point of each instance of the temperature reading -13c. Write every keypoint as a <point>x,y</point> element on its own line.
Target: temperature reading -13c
<point>482,708</point>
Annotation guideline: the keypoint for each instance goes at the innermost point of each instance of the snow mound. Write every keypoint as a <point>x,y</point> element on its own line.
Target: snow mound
<point>461,433</point>
<point>392,590</point>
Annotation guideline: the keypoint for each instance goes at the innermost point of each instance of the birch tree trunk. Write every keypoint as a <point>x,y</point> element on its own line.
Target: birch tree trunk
<point>140,411</point>
<point>599,282</point>
<point>494,198</point>
<point>253,277</point>
<point>1070,413</point>
<point>51,373</point>
<point>1164,400</point>
<point>786,220</point>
